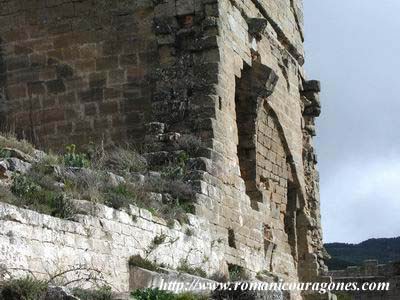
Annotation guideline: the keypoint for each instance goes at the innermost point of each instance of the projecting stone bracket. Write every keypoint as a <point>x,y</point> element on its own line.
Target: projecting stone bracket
<point>257,27</point>
<point>263,80</point>
<point>310,92</point>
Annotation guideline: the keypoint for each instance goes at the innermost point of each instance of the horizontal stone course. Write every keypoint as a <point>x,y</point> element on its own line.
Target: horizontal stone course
<point>108,232</point>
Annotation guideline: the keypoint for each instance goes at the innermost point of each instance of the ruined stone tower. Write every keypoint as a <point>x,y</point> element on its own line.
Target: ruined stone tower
<point>229,72</point>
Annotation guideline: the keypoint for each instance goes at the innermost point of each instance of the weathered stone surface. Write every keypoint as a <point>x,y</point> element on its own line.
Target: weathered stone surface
<point>102,238</point>
<point>15,153</point>
<point>5,170</point>
<point>115,180</point>
<point>18,165</point>
<point>228,72</point>
<point>141,278</point>
<point>312,86</point>
<point>257,27</point>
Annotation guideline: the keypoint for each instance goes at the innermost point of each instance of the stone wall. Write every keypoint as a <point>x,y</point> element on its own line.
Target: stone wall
<point>371,272</point>
<point>228,72</point>
<point>104,240</point>
<point>369,268</point>
<point>75,71</point>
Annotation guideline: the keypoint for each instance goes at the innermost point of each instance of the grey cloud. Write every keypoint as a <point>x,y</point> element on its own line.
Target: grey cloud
<point>353,48</point>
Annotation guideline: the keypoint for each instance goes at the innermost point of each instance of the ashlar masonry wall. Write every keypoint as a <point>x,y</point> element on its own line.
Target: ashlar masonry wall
<point>103,240</point>
<point>275,79</point>
<point>75,71</point>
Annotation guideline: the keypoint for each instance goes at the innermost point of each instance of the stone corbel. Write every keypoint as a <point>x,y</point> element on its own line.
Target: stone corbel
<point>257,27</point>
<point>264,79</point>
<point>311,90</point>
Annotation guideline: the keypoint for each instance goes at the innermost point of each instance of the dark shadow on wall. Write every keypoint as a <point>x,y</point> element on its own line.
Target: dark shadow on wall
<point>3,80</point>
<point>246,115</point>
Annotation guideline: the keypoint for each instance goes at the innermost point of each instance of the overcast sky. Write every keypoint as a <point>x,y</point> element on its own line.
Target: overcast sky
<point>353,47</point>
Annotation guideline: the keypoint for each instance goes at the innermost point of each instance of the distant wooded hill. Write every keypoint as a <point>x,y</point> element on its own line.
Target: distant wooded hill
<point>344,255</point>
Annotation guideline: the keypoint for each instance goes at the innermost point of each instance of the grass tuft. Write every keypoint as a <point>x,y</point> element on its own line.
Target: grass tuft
<point>9,140</point>
<point>138,261</point>
<point>196,271</point>
<point>26,288</point>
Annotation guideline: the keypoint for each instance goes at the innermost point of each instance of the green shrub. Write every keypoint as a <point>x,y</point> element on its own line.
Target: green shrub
<point>61,207</point>
<point>96,186</point>
<point>121,196</point>
<point>137,194</point>
<point>176,170</point>
<point>190,296</point>
<point>152,294</point>
<point>23,186</point>
<point>47,186</point>
<point>159,239</point>
<point>73,159</point>
<point>197,271</point>
<point>237,273</point>
<point>23,289</point>
<point>103,293</point>
<point>156,294</point>
<point>4,153</point>
<point>45,173</point>
<point>31,195</point>
<point>144,263</point>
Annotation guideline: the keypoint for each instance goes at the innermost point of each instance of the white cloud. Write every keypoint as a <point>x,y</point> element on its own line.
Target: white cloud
<point>361,200</point>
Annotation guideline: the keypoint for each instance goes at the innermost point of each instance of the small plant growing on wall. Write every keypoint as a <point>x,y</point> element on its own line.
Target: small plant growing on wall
<point>189,232</point>
<point>159,239</point>
<point>184,267</point>
<point>138,261</point>
<point>74,159</point>
<point>178,169</point>
<point>237,273</point>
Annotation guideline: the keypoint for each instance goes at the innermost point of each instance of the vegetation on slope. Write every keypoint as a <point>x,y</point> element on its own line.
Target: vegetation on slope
<point>30,288</point>
<point>344,255</point>
<point>117,177</point>
<point>151,294</point>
